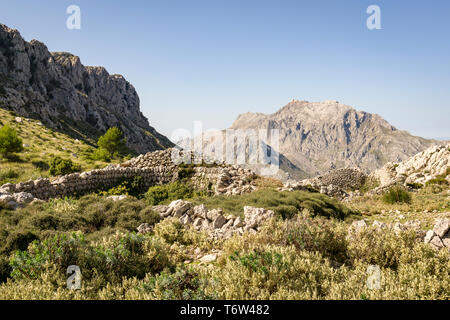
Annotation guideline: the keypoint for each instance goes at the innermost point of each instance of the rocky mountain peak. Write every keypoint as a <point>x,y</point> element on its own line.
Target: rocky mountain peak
<point>320,136</point>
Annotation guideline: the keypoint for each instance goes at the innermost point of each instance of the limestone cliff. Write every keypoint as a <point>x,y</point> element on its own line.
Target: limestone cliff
<point>67,96</point>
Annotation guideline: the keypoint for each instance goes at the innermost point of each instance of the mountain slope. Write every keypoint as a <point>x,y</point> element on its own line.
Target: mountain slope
<point>67,96</point>
<point>318,136</point>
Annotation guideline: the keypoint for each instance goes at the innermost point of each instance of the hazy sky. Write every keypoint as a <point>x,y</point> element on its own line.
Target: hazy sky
<point>212,60</point>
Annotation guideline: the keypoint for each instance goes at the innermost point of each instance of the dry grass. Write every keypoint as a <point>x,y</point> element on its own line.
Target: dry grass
<point>41,145</point>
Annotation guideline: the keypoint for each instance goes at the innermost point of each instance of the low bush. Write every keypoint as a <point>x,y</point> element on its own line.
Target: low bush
<point>414,185</point>
<point>438,180</point>
<point>101,154</point>
<point>134,186</point>
<point>183,284</point>
<point>9,141</point>
<point>115,258</point>
<point>185,172</point>
<point>59,166</point>
<point>396,194</point>
<point>169,192</point>
<point>8,175</point>
<point>95,216</point>
<point>286,204</point>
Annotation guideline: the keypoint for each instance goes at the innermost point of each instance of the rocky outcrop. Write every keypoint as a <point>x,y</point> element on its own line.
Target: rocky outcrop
<point>422,167</point>
<point>57,89</point>
<point>213,222</point>
<point>439,237</point>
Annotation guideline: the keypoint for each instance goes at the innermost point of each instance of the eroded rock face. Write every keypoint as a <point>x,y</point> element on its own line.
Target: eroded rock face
<point>424,166</point>
<point>53,86</point>
<point>316,137</point>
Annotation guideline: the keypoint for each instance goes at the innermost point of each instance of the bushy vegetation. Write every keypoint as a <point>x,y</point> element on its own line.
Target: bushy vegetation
<point>396,194</point>
<point>9,141</point>
<point>40,145</point>
<point>7,175</point>
<point>101,155</point>
<point>438,180</point>
<point>134,186</point>
<point>95,216</point>
<point>299,258</point>
<point>59,166</point>
<point>286,204</point>
<point>169,192</point>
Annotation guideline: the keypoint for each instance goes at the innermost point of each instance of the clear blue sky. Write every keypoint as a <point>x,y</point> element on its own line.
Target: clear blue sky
<point>212,60</point>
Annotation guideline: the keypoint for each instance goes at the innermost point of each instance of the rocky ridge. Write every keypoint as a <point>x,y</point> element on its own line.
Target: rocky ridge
<point>419,169</point>
<point>320,136</point>
<point>56,88</point>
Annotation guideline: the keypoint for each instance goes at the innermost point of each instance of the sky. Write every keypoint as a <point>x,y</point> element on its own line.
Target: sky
<point>212,60</point>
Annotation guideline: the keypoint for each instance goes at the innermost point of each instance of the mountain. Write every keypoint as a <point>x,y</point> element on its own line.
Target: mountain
<point>67,96</point>
<point>316,137</point>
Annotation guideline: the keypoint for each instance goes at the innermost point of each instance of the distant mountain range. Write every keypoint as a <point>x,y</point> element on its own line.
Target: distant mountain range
<point>316,137</point>
<point>57,89</point>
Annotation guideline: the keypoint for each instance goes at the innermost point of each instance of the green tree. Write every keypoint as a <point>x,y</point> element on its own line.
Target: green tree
<point>9,141</point>
<point>113,141</point>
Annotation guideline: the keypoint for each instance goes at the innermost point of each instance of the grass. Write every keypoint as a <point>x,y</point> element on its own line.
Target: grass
<point>287,204</point>
<point>95,216</point>
<point>396,194</point>
<point>425,205</point>
<point>42,144</point>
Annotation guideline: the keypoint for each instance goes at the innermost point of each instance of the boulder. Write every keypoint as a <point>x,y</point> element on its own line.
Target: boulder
<point>441,227</point>
<point>179,207</point>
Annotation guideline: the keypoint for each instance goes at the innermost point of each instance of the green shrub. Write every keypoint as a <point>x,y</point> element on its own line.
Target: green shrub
<point>101,154</point>
<point>19,240</point>
<point>286,204</point>
<point>185,172</point>
<point>126,186</point>
<point>183,284</point>
<point>117,257</point>
<point>396,194</point>
<point>113,141</point>
<point>8,175</point>
<point>169,192</point>
<point>9,141</point>
<point>5,269</point>
<point>59,166</point>
<point>415,185</point>
<point>315,235</point>
<point>438,180</point>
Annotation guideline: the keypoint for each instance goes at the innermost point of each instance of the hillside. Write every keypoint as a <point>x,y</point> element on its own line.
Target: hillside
<point>57,89</point>
<point>41,144</point>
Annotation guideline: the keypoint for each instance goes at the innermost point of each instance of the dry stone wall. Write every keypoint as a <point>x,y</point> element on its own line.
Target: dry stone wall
<point>155,168</point>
